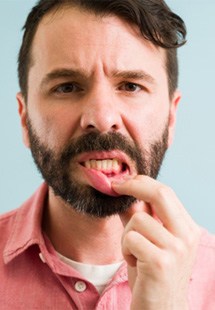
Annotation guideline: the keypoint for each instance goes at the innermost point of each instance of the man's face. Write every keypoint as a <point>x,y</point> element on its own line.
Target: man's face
<point>98,108</point>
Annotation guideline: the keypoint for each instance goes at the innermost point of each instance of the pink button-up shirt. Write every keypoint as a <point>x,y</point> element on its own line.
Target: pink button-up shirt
<point>33,277</point>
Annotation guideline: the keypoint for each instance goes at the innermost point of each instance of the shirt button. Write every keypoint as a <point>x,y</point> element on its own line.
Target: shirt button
<point>80,286</point>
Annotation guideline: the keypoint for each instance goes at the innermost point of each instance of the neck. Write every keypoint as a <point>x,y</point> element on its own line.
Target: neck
<point>80,237</point>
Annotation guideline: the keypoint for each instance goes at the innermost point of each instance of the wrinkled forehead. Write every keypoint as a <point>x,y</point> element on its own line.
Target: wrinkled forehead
<point>82,40</point>
<point>79,19</point>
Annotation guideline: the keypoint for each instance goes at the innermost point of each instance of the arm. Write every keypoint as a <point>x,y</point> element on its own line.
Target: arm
<point>160,253</point>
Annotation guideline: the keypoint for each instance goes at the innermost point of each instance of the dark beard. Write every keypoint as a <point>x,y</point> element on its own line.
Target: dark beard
<point>55,169</point>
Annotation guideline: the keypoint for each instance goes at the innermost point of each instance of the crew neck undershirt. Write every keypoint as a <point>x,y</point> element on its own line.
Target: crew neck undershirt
<point>98,275</point>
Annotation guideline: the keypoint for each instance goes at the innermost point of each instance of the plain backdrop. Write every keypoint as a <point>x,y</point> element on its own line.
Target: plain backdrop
<point>189,167</point>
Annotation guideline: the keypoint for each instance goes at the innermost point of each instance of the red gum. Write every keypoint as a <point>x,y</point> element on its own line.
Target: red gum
<point>100,180</point>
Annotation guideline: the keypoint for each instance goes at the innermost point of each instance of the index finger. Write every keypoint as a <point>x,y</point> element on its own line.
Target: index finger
<point>162,199</point>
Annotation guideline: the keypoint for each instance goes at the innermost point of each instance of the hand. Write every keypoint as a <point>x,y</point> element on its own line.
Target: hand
<point>160,251</point>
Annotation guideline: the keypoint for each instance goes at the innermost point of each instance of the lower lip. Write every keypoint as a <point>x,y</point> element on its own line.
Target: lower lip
<point>102,182</point>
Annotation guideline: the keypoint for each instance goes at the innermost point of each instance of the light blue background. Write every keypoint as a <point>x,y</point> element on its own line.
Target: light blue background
<point>189,166</point>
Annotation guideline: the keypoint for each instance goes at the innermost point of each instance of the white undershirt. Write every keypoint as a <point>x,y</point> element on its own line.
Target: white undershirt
<point>98,275</point>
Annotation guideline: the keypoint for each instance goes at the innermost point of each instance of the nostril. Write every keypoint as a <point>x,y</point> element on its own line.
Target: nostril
<point>115,127</point>
<point>90,126</point>
<point>101,120</point>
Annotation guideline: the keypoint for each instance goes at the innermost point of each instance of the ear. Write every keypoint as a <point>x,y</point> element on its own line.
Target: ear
<point>172,115</point>
<point>22,109</point>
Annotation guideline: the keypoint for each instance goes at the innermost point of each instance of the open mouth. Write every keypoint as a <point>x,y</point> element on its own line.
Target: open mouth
<point>100,169</point>
<point>109,167</point>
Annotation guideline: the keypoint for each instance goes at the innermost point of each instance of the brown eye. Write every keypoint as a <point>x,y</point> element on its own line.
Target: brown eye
<point>66,88</point>
<point>130,87</point>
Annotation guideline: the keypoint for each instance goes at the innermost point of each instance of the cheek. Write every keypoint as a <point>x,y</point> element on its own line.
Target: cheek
<point>147,126</point>
<point>53,129</point>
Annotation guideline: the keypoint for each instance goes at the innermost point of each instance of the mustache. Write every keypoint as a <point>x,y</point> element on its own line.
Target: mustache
<point>95,141</point>
<point>89,142</point>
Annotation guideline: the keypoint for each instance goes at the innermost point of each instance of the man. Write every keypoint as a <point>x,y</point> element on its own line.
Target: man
<point>98,107</point>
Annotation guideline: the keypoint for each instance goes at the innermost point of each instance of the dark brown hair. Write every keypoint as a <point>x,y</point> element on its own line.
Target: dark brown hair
<point>156,22</point>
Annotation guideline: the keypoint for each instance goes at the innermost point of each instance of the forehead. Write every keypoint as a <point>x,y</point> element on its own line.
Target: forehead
<point>71,36</point>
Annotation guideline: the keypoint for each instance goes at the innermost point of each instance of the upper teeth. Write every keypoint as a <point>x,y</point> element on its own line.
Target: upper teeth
<point>104,165</point>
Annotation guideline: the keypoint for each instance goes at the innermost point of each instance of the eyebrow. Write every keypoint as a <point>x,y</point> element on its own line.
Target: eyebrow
<point>135,75</point>
<point>63,73</point>
<point>81,74</point>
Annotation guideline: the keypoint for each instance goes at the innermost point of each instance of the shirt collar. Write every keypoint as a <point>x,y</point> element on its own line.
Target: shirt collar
<point>26,225</point>
<point>26,230</point>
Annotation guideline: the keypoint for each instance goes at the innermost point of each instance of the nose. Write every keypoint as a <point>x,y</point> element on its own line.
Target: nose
<point>101,111</point>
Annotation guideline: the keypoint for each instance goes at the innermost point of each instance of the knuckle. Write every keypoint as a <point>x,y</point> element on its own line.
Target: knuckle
<point>163,262</point>
<point>140,177</point>
<point>163,191</point>
<point>128,238</point>
<point>138,218</point>
<point>192,239</point>
<point>179,248</point>
<point>125,242</point>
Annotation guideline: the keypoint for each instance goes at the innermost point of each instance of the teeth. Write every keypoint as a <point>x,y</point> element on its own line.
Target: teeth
<point>115,164</point>
<point>87,164</point>
<point>104,164</point>
<point>98,164</point>
<point>108,165</point>
<point>93,164</point>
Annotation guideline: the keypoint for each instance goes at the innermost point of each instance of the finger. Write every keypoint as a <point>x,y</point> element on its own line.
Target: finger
<point>137,207</point>
<point>137,247</point>
<point>152,230</point>
<point>162,200</point>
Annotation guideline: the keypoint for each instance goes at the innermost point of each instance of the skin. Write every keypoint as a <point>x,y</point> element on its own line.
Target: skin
<point>159,257</point>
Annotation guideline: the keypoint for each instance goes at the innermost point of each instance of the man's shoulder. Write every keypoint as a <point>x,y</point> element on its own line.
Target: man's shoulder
<point>36,198</point>
<point>7,219</point>
<point>205,266</point>
<point>19,223</point>
<point>7,224</point>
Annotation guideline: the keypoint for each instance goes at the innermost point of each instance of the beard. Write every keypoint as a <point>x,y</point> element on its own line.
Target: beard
<point>56,169</point>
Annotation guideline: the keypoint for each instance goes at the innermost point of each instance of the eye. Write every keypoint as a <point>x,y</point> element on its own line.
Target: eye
<point>67,88</point>
<point>130,87</point>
